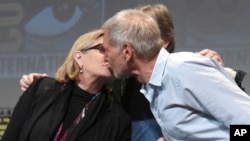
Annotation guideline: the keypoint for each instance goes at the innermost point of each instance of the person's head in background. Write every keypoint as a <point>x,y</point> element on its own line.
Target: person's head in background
<point>164,19</point>
<point>85,62</point>
<point>132,40</point>
<point>162,16</point>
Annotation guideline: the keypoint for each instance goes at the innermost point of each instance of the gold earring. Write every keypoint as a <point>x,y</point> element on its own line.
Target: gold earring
<point>81,69</point>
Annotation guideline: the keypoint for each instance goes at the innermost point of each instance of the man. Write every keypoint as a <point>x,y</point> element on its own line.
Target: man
<point>144,126</point>
<point>190,96</point>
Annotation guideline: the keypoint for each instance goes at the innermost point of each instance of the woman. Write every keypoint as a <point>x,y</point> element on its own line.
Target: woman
<point>73,106</point>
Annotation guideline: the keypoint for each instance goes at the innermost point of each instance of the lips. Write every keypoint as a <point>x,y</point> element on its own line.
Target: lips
<point>106,64</point>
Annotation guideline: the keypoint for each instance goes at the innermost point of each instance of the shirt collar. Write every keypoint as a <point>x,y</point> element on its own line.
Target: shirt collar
<point>155,79</point>
<point>159,67</point>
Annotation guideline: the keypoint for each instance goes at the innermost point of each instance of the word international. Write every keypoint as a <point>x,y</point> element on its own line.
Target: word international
<point>239,132</point>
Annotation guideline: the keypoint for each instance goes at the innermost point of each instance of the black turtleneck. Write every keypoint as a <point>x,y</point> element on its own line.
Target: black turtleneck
<point>79,98</point>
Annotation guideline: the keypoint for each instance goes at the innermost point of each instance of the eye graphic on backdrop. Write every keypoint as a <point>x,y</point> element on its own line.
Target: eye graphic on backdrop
<point>61,16</point>
<point>53,21</point>
<point>56,24</point>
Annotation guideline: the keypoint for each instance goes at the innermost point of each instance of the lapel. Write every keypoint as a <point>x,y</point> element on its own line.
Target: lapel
<point>50,97</point>
<point>59,109</point>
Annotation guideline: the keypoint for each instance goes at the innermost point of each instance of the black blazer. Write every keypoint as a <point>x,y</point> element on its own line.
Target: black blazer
<point>40,111</point>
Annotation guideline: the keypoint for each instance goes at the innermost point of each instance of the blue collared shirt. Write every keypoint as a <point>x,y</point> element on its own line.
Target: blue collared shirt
<point>193,98</point>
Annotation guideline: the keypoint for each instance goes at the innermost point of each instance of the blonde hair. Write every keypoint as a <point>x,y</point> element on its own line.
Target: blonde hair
<point>70,70</point>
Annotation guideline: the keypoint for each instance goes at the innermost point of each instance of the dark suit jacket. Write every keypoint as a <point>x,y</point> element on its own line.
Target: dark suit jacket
<point>40,111</point>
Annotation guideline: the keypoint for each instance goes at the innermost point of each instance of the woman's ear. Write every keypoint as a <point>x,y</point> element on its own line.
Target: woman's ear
<point>78,58</point>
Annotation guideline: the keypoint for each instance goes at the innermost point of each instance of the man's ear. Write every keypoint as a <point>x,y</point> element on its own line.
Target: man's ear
<point>127,51</point>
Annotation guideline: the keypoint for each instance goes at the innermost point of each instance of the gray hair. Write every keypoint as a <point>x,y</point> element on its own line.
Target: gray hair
<point>138,29</point>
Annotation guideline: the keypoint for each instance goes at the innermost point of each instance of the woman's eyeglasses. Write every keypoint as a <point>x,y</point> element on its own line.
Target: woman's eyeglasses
<point>99,47</point>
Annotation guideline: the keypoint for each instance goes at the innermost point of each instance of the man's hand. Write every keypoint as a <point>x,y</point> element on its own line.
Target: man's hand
<point>211,54</point>
<point>26,80</point>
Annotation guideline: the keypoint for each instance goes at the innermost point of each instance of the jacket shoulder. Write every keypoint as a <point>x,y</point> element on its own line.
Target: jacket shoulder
<point>41,85</point>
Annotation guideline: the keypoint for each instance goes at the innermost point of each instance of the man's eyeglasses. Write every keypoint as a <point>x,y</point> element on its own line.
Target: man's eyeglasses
<point>99,47</point>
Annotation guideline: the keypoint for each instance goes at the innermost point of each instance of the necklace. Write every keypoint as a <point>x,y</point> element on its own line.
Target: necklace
<point>63,137</point>
<point>85,108</point>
